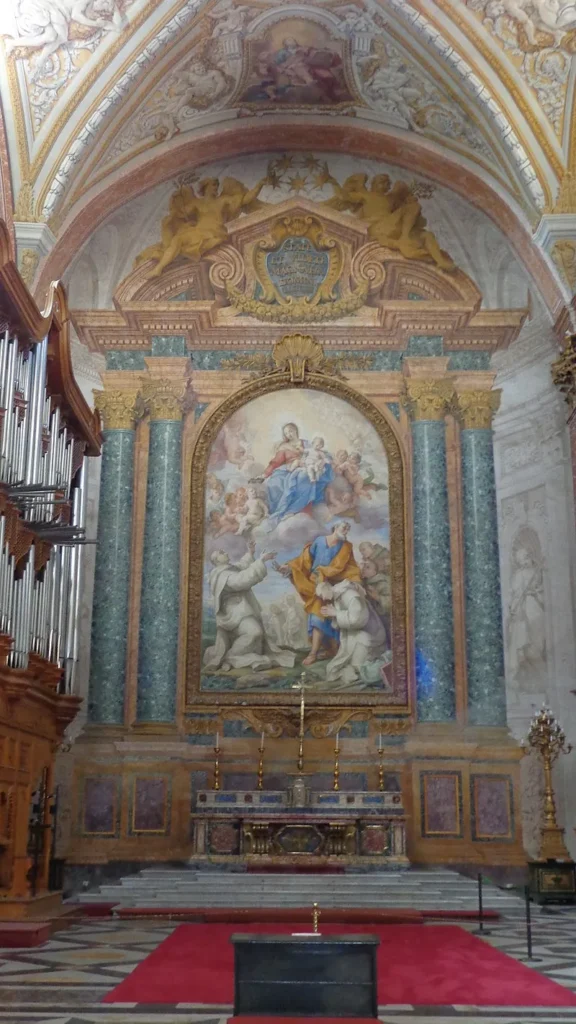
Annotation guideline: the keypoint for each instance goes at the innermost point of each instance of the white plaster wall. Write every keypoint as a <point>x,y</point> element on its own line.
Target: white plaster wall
<point>536,508</point>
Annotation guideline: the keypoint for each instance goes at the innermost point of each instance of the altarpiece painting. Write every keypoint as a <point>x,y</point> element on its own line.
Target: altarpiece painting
<point>301,553</point>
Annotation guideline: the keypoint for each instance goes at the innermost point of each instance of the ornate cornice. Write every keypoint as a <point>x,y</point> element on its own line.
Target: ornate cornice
<point>428,399</point>
<point>119,409</point>
<point>475,409</point>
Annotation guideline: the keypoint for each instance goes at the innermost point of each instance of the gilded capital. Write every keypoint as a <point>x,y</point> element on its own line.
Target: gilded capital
<point>119,409</point>
<point>564,371</point>
<point>428,399</point>
<point>475,409</point>
<point>164,398</point>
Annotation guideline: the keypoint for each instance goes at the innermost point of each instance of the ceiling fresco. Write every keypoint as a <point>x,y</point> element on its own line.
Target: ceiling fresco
<point>98,87</point>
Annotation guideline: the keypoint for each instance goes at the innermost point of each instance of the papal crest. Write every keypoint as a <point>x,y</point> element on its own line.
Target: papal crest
<point>298,274</point>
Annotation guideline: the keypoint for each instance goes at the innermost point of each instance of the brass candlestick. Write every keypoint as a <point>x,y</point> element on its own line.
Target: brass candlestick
<point>301,730</point>
<point>380,766</point>
<point>337,763</point>
<point>315,916</point>
<point>261,764</point>
<point>216,766</point>
<point>548,739</point>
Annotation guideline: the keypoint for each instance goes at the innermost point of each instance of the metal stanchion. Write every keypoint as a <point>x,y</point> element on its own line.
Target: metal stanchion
<point>532,959</point>
<point>480,930</point>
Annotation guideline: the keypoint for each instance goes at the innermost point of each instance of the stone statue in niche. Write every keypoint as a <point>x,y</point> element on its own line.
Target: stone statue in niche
<point>526,621</point>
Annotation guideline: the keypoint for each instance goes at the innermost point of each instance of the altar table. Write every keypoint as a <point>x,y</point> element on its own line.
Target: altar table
<point>262,825</point>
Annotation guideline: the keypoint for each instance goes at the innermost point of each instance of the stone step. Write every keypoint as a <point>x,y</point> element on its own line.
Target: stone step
<point>189,888</point>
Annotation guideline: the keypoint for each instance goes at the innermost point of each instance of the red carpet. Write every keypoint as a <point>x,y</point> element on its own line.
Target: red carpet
<point>432,965</point>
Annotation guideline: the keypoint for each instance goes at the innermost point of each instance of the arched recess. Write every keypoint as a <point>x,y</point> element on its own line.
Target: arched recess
<point>354,140</point>
<point>399,697</point>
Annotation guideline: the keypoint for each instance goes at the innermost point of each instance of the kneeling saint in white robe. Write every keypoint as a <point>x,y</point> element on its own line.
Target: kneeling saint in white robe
<point>241,640</point>
<point>362,633</point>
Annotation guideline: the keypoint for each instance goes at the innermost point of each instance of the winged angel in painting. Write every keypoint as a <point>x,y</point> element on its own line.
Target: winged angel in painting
<point>196,221</point>
<point>314,503</point>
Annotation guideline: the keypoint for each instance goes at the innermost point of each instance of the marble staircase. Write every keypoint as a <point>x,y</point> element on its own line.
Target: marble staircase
<point>189,888</point>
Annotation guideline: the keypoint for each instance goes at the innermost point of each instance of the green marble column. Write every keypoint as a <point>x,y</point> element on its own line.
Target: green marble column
<point>112,575</point>
<point>483,604</point>
<point>160,593</point>
<point>433,608</point>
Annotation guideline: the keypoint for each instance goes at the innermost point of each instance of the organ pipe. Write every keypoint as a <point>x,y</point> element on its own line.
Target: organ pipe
<point>43,474</point>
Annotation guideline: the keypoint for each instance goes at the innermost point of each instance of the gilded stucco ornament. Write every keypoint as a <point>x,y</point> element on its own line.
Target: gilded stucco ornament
<point>24,209</point>
<point>564,256</point>
<point>566,198</point>
<point>428,399</point>
<point>119,409</point>
<point>564,371</point>
<point>475,409</point>
<point>164,399</point>
<point>28,264</point>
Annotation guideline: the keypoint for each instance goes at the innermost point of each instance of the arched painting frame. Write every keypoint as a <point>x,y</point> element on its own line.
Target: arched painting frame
<point>394,696</point>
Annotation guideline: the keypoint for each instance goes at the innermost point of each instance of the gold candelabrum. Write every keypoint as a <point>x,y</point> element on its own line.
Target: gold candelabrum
<point>315,916</point>
<point>337,763</point>
<point>261,763</point>
<point>380,764</point>
<point>548,739</point>
<point>217,763</point>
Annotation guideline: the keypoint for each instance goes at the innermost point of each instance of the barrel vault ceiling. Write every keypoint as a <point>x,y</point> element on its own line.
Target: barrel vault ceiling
<point>94,91</point>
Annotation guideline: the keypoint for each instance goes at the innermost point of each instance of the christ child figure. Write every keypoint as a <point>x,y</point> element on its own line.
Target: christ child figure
<point>315,459</point>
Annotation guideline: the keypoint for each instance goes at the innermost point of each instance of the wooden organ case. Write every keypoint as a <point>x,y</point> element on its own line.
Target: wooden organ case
<point>47,431</point>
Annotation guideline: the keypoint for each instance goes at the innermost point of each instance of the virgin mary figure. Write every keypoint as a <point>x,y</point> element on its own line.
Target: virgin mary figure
<point>290,486</point>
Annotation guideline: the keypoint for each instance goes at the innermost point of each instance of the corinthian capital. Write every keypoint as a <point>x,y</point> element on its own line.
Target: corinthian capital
<point>164,398</point>
<point>475,409</point>
<point>428,399</point>
<point>119,409</point>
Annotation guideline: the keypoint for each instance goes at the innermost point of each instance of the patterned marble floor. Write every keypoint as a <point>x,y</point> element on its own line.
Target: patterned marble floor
<point>63,981</point>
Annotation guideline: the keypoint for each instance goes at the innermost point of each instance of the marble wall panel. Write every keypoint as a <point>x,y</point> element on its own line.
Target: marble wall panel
<point>150,805</point>
<point>100,807</point>
<point>492,809</point>
<point>441,804</point>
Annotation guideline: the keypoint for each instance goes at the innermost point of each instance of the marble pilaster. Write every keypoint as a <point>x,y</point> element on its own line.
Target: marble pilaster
<point>483,602</point>
<point>433,606</point>
<point>160,594</point>
<point>119,411</point>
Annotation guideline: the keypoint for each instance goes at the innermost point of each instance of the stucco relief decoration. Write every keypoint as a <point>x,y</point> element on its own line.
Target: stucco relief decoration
<point>296,260</point>
<point>335,59</point>
<point>526,620</point>
<point>51,40</point>
<point>540,37</point>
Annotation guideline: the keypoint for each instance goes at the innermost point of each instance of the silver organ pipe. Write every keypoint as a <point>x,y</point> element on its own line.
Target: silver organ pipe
<point>42,474</point>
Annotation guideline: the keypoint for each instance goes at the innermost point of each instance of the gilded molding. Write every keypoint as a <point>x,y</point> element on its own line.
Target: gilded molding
<point>198,460</point>
<point>163,398</point>
<point>427,399</point>
<point>119,409</point>
<point>475,409</point>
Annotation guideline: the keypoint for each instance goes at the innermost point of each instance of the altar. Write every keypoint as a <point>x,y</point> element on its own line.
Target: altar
<point>276,827</point>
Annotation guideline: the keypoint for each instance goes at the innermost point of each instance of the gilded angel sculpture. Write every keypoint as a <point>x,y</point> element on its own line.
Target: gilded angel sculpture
<point>394,216</point>
<point>196,222</point>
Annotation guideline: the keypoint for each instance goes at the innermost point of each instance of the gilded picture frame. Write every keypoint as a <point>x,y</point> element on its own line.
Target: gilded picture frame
<point>398,703</point>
